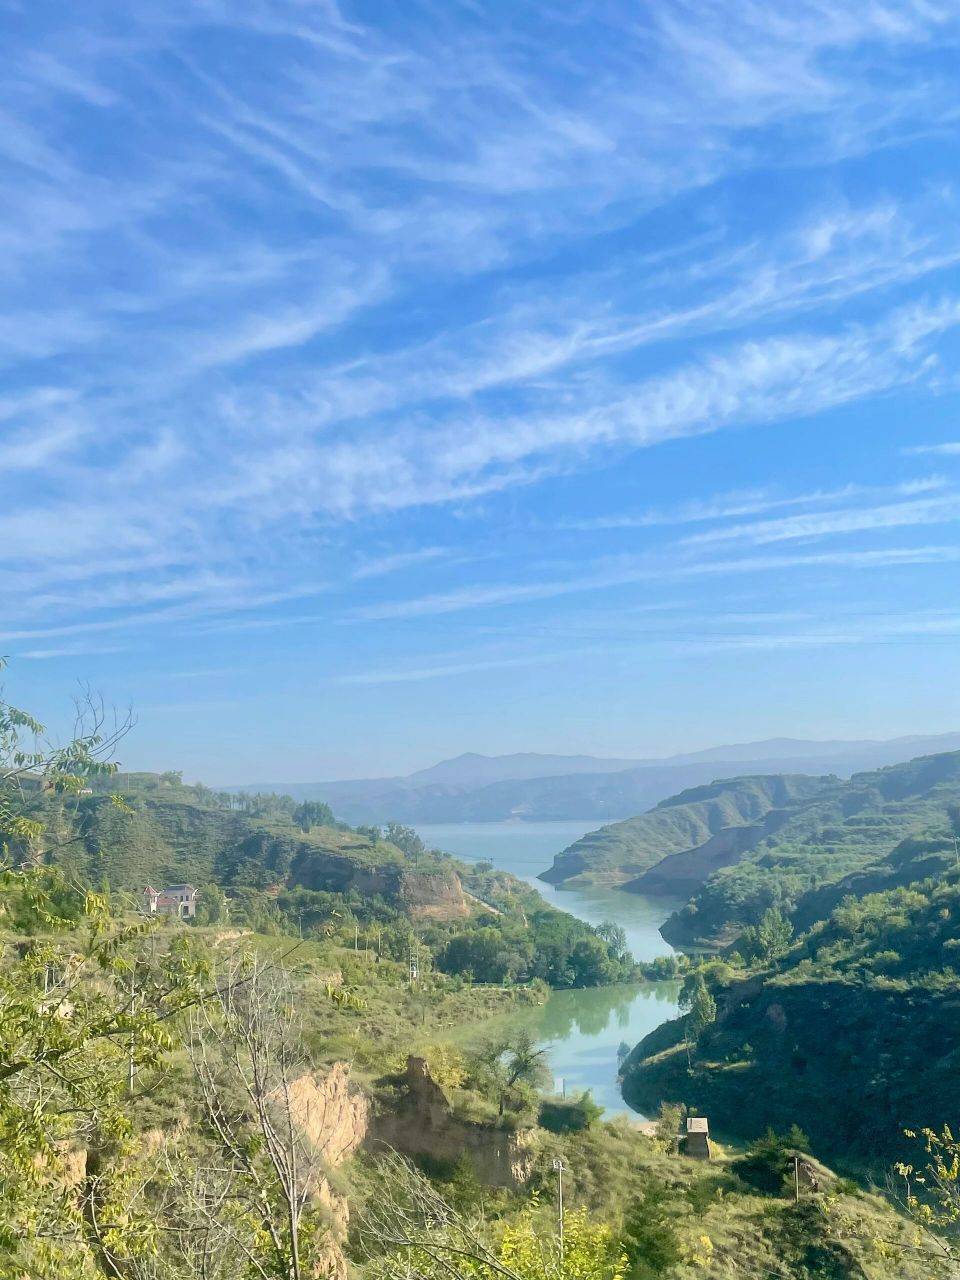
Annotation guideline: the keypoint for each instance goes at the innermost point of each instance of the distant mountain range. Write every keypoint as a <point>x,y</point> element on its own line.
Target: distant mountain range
<point>528,786</point>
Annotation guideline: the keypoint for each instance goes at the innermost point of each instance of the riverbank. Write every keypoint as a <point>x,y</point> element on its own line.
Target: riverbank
<point>586,1028</point>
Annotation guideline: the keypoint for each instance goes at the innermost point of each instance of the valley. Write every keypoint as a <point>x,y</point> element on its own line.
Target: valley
<point>774,952</point>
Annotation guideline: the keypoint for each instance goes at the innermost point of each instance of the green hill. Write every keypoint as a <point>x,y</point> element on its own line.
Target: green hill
<point>623,850</point>
<point>841,831</point>
<point>854,1034</point>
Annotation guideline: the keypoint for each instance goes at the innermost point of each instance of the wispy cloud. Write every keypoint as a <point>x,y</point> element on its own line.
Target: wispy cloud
<point>443,670</point>
<point>948,449</point>
<point>921,511</point>
<point>398,560</point>
<point>649,569</point>
<point>748,503</point>
<point>407,269</point>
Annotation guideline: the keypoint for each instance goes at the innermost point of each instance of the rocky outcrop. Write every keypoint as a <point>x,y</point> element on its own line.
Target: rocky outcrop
<point>436,894</point>
<point>334,1118</point>
<point>422,1123</point>
<point>680,874</point>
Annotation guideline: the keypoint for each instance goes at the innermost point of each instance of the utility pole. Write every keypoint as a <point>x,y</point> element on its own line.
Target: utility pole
<point>559,1166</point>
<point>796,1179</point>
<point>356,937</point>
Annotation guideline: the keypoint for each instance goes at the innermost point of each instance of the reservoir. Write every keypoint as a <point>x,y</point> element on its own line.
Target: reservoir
<point>584,1028</point>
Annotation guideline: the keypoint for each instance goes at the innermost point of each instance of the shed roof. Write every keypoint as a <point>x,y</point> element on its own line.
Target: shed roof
<point>697,1124</point>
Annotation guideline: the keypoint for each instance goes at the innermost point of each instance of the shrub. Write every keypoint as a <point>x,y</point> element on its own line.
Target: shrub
<point>571,1116</point>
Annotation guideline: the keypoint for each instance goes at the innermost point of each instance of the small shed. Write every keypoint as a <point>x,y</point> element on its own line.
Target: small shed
<point>697,1144</point>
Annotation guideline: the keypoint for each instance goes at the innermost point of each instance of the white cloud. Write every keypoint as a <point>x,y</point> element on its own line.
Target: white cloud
<point>629,570</point>
<point>923,511</point>
<point>747,503</point>
<point>271,349</point>
<point>948,449</point>
<point>380,565</point>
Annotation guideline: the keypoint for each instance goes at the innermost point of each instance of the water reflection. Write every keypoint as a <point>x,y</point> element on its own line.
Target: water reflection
<point>586,1028</point>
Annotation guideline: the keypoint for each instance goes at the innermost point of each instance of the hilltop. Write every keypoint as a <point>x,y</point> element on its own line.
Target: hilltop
<point>621,851</point>
<point>742,845</point>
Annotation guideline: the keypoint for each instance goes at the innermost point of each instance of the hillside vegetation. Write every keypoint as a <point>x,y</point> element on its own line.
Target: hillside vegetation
<point>852,1029</point>
<point>621,851</point>
<point>843,829</point>
<point>739,847</point>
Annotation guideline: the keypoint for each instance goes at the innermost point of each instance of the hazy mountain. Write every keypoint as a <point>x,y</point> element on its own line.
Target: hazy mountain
<point>532,787</point>
<point>802,749</point>
<point>472,769</point>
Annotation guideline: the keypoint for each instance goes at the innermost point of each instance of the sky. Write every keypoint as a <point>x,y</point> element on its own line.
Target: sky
<point>381,382</point>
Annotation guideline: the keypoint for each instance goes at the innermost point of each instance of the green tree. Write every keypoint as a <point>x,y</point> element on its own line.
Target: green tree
<point>932,1196</point>
<point>481,951</point>
<point>211,905</point>
<point>313,813</point>
<point>615,936</point>
<point>650,1241</point>
<point>768,939</point>
<point>590,963</point>
<point>511,1068</point>
<point>668,1126</point>
<point>590,1250</point>
<point>406,839</point>
<point>88,1006</point>
<point>700,1008</point>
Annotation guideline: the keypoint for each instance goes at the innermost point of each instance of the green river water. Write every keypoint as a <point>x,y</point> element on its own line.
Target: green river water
<point>583,1028</point>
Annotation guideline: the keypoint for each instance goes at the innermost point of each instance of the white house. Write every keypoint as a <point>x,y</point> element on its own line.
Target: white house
<point>176,900</point>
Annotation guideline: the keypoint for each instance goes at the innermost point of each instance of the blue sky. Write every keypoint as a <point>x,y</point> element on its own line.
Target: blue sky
<point>386,381</point>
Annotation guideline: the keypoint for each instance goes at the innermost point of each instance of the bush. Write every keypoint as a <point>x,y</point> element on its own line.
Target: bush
<point>569,1117</point>
<point>766,1163</point>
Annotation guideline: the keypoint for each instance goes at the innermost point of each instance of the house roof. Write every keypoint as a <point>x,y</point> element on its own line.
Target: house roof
<point>180,888</point>
<point>151,890</point>
<point>697,1124</point>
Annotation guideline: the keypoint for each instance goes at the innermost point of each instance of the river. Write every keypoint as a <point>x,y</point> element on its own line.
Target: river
<point>584,1029</point>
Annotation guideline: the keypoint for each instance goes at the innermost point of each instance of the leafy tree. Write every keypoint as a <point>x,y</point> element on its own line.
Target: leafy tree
<point>766,1162</point>
<point>510,1067</point>
<point>590,1251</point>
<point>481,951</point>
<point>650,1241</point>
<point>87,1007</point>
<point>313,813</point>
<point>590,963</point>
<point>703,1008</point>
<point>570,1116</point>
<point>767,940</point>
<point>615,936</point>
<point>406,839</point>
<point>211,905</point>
<point>932,1196</point>
<point>668,1125</point>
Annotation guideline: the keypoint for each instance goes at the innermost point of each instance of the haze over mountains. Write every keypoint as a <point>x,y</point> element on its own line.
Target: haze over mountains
<point>528,786</point>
